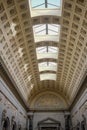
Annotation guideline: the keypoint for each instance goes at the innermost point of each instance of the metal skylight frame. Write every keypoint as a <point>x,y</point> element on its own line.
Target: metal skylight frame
<point>43,49</point>
<point>46,29</point>
<point>46,66</point>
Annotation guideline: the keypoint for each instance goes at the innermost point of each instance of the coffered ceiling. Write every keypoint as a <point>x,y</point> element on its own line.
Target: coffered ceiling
<point>44,49</point>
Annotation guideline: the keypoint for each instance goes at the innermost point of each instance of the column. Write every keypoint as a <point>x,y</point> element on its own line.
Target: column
<point>30,116</point>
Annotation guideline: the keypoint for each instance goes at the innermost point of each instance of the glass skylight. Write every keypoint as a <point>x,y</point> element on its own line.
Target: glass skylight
<point>41,4</point>
<point>47,76</point>
<point>46,32</point>
<point>47,64</point>
<point>46,29</point>
<point>47,49</point>
<point>47,52</point>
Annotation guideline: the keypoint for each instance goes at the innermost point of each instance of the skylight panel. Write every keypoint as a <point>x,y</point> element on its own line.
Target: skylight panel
<point>38,4</point>
<point>47,49</point>
<point>41,4</point>
<point>42,64</point>
<point>54,3</point>
<point>39,29</point>
<point>53,29</point>
<point>47,64</point>
<point>52,64</point>
<point>47,76</point>
<point>41,49</point>
<point>46,29</point>
<point>47,68</point>
<point>53,49</point>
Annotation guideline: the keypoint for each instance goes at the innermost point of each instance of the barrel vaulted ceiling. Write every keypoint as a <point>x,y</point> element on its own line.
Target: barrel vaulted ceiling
<point>44,47</point>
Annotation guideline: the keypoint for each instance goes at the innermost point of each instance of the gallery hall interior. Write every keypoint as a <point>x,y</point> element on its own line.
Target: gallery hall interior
<point>43,64</point>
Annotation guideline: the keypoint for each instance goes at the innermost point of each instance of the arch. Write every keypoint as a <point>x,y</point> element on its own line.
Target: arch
<point>48,12</point>
<point>47,60</point>
<point>49,38</point>
<point>47,43</point>
<point>43,19</point>
<point>33,94</point>
<point>52,99</point>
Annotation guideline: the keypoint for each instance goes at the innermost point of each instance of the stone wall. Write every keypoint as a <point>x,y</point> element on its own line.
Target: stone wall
<point>39,116</point>
<point>79,111</point>
<point>11,108</point>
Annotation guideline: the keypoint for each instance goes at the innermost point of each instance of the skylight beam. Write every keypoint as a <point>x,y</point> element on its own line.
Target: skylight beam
<point>46,28</point>
<point>38,5</point>
<point>40,31</point>
<point>37,26</point>
<point>46,4</point>
<point>53,31</point>
<point>53,5</point>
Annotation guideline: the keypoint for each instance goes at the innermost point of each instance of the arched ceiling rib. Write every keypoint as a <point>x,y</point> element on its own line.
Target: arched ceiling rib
<point>48,100</point>
<point>43,19</point>
<point>48,12</point>
<point>45,89</point>
<point>18,47</point>
<point>47,43</point>
<point>43,38</point>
